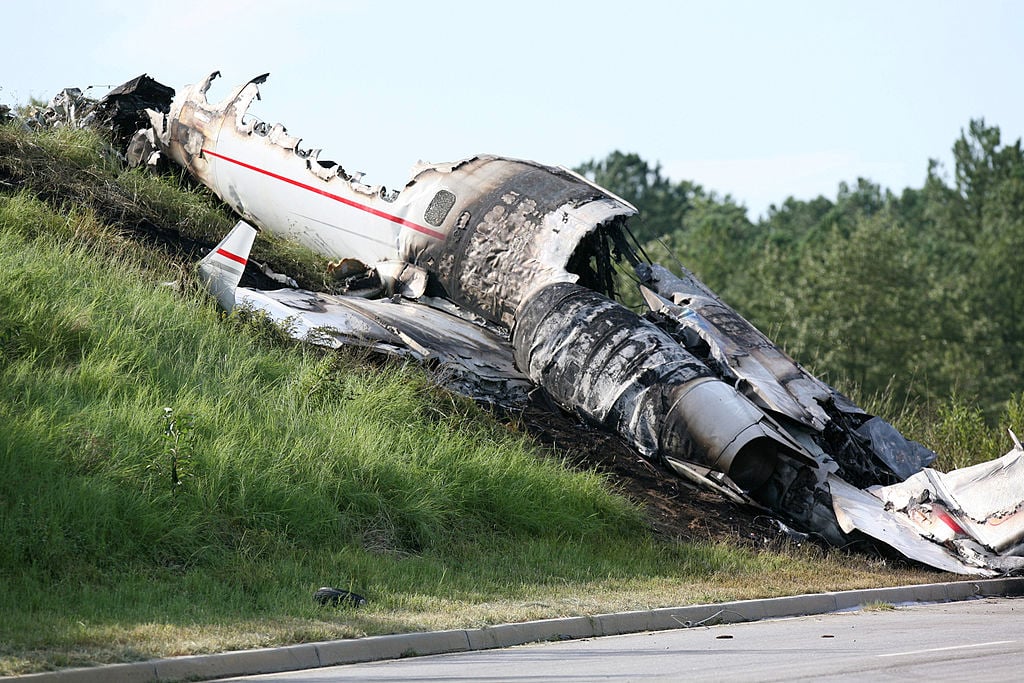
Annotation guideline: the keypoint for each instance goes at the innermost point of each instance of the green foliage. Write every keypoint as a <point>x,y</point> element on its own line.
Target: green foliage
<point>961,436</point>
<point>662,204</point>
<point>1013,414</point>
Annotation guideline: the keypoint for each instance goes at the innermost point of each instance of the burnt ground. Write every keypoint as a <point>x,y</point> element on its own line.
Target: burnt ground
<point>676,509</point>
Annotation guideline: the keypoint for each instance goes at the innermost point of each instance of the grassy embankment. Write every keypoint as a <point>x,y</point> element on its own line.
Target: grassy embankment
<point>287,468</point>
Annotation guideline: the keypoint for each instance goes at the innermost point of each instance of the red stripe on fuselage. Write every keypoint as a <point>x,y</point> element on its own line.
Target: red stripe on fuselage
<point>347,202</point>
<point>948,520</point>
<point>234,257</point>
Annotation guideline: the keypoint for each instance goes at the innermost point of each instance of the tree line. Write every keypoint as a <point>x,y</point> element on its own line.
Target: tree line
<point>915,295</point>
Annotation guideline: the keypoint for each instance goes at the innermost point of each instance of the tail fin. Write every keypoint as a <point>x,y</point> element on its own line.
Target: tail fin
<point>221,270</point>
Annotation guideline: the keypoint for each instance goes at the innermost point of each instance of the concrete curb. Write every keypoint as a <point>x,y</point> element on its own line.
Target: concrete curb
<point>372,648</point>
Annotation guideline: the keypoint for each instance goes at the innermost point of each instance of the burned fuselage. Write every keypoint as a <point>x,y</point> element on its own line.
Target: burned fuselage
<point>503,272</point>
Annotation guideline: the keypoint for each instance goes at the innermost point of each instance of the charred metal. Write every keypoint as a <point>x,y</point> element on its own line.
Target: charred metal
<point>502,272</point>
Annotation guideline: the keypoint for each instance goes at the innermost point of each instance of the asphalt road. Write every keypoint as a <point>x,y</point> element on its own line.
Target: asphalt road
<point>976,640</point>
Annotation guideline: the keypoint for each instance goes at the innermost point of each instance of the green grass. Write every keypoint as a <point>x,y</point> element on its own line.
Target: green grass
<point>288,468</point>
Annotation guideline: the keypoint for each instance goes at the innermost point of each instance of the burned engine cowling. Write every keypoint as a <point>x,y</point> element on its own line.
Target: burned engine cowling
<point>614,368</point>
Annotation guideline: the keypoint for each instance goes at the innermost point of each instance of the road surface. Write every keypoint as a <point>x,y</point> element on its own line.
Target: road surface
<point>976,640</point>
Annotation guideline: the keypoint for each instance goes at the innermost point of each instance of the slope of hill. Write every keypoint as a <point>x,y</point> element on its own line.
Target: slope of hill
<point>177,482</point>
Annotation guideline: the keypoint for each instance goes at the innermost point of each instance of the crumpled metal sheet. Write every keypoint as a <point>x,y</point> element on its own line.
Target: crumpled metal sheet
<point>743,356</point>
<point>465,357</point>
<point>121,112</point>
<point>760,369</point>
<point>969,520</point>
<point>983,501</point>
<point>903,456</point>
<point>858,510</point>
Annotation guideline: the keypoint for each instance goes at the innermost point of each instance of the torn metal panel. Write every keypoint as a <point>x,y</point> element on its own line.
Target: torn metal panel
<point>760,369</point>
<point>142,149</point>
<point>466,357</point>
<point>121,112</point>
<point>984,501</point>
<point>711,479</point>
<point>67,108</point>
<point>974,516</point>
<point>903,456</point>
<point>858,509</point>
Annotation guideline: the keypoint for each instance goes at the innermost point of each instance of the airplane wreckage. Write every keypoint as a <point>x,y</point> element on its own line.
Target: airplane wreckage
<point>501,273</point>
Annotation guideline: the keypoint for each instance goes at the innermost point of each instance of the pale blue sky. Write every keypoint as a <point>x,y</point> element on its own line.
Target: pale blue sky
<point>760,100</point>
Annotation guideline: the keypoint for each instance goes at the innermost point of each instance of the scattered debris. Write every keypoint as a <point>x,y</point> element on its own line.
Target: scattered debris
<point>122,113</point>
<point>502,273</point>
<point>326,595</point>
